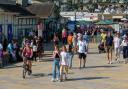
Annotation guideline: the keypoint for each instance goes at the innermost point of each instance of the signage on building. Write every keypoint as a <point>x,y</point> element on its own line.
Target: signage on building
<point>117,17</point>
<point>80,16</point>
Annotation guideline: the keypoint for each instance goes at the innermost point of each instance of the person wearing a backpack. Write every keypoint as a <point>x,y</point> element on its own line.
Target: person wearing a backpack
<point>109,47</point>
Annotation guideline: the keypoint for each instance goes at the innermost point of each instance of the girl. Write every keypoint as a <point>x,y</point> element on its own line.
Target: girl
<point>27,56</point>
<point>63,63</point>
<point>56,66</point>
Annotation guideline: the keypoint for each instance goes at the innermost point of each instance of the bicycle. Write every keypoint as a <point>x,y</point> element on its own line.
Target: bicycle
<point>25,70</point>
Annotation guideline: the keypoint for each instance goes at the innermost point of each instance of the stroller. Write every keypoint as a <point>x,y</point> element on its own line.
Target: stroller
<point>101,48</point>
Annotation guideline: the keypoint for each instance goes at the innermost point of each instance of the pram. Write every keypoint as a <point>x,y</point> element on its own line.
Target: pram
<point>101,48</point>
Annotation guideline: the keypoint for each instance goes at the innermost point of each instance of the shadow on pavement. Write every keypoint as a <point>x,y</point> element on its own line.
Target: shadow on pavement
<point>48,55</point>
<point>38,75</point>
<point>46,60</point>
<point>105,66</point>
<point>14,66</point>
<point>87,78</point>
<point>93,52</point>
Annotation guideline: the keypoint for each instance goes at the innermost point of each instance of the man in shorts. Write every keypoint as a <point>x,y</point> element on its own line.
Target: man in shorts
<point>109,46</point>
<point>82,51</point>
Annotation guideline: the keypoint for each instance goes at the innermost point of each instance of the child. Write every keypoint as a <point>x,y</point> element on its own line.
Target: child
<point>63,63</point>
<point>56,66</point>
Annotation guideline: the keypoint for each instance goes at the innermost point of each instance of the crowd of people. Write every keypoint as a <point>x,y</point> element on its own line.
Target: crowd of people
<point>111,9</point>
<point>79,43</point>
<point>11,52</point>
<point>73,43</point>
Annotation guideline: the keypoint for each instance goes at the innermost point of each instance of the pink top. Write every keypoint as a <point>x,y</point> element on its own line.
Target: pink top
<point>64,34</point>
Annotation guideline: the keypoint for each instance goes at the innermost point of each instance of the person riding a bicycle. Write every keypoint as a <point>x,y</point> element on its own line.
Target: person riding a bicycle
<point>27,54</point>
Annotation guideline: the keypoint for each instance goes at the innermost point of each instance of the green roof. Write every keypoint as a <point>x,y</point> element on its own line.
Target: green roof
<point>105,22</point>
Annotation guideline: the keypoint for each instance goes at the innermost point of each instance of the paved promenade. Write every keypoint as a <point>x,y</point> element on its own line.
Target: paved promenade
<point>97,74</point>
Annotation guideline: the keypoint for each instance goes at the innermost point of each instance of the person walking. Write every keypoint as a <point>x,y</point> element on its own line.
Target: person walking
<point>63,63</point>
<point>56,65</point>
<point>34,48</point>
<point>82,50</point>
<point>103,37</point>
<point>40,48</point>
<point>86,39</point>
<point>124,45</point>
<point>56,39</point>
<point>109,46</point>
<point>70,39</point>
<point>64,36</point>
<point>117,43</point>
<point>74,42</point>
<point>70,55</point>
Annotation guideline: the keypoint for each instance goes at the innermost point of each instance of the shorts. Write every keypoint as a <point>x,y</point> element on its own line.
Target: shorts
<point>109,48</point>
<point>117,50</point>
<point>82,55</point>
<point>27,58</point>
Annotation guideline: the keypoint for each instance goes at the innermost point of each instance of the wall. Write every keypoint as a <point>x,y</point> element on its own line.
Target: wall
<point>20,25</point>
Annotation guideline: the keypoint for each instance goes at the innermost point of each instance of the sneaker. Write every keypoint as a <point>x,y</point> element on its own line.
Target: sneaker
<point>83,66</point>
<point>53,80</point>
<point>60,80</point>
<point>110,63</point>
<point>57,79</point>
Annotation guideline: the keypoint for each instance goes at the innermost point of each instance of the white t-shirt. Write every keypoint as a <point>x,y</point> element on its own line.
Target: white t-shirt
<point>81,46</point>
<point>117,42</point>
<point>64,58</point>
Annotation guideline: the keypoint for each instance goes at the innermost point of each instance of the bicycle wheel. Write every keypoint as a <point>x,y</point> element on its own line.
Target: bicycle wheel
<point>24,72</point>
